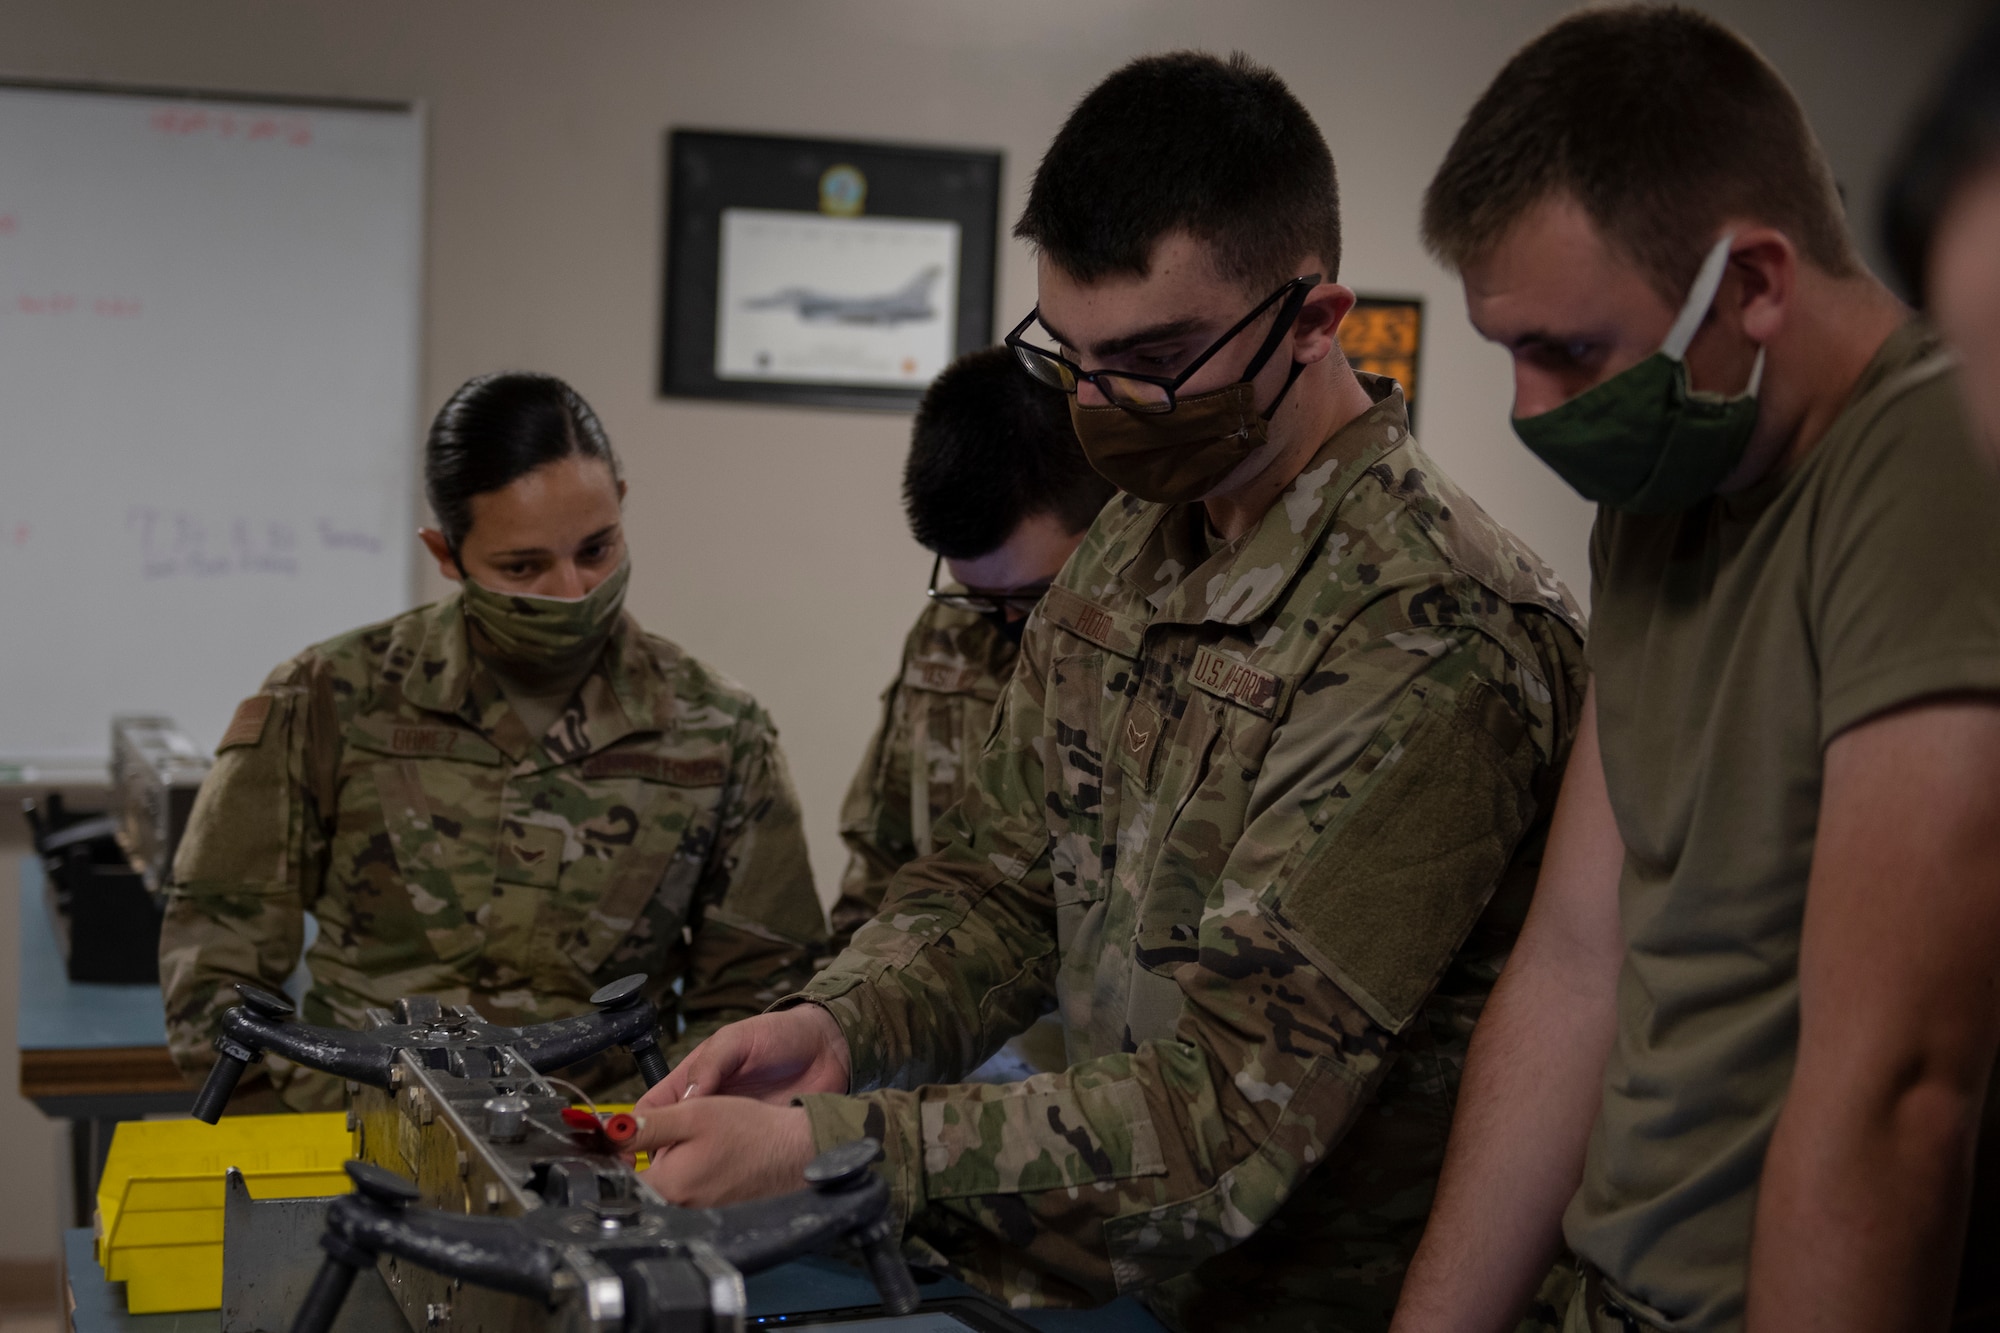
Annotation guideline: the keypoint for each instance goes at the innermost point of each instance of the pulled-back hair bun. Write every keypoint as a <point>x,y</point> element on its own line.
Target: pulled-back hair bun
<point>495,430</point>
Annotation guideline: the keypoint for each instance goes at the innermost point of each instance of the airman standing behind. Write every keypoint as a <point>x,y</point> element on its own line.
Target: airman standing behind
<point>998,488</point>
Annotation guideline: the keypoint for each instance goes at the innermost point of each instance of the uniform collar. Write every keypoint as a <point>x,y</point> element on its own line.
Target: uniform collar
<point>1162,557</point>
<point>629,691</point>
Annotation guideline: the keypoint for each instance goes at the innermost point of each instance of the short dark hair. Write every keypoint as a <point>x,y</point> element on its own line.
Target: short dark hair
<point>991,446</point>
<point>1188,142</point>
<point>1662,124</point>
<point>497,429</point>
<point>1958,133</point>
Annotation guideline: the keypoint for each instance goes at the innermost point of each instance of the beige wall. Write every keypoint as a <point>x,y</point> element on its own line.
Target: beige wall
<point>770,541</point>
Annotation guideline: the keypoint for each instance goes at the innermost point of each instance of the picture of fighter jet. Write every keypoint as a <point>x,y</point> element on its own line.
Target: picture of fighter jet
<point>908,304</point>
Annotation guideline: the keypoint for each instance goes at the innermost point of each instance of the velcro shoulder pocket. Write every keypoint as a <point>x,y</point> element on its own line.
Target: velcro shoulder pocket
<point>1387,896</point>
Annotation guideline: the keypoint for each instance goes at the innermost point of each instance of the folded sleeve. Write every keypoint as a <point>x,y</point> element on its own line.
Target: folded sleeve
<point>1905,582</point>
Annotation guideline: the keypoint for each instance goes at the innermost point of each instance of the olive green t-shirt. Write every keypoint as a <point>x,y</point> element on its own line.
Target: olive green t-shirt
<point>1730,643</point>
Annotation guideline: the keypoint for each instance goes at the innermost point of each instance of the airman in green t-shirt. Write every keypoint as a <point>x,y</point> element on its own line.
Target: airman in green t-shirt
<point>1737,1059</point>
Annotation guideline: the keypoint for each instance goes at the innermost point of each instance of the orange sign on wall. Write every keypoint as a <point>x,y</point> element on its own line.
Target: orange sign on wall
<point>1382,335</point>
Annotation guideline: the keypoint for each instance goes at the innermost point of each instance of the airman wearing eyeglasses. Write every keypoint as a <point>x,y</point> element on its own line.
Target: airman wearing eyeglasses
<point>997,488</point>
<point>1261,806</point>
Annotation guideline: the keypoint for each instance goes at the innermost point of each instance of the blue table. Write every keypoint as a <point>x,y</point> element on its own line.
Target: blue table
<point>91,1053</point>
<point>808,1284</point>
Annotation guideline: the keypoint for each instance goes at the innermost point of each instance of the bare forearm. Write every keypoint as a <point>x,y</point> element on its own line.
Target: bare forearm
<point>1861,1207</point>
<point>1861,1211</point>
<point>1530,1095</point>
<point>1532,1077</point>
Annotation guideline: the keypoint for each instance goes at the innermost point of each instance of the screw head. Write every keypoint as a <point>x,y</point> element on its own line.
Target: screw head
<point>506,1117</point>
<point>616,1210</point>
<point>621,993</point>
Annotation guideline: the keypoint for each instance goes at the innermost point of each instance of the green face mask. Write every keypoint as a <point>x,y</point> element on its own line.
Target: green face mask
<point>1643,441</point>
<point>545,639</point>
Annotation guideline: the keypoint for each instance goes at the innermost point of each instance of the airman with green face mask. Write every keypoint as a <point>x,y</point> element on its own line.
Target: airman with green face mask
<point>504,799</point>
<point>1735,1064</point>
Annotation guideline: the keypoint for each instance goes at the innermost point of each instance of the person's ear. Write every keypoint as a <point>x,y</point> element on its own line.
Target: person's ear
<point>1764,272</point>
<point>440,550</point>
<point>1316,331</point>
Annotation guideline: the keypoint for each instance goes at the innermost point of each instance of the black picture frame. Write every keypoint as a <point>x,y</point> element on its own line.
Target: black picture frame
<point>709,171</point>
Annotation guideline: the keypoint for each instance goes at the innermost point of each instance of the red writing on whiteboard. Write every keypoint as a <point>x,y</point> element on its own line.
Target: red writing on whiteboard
<point>8,224</point>
<point>66,303</point>
<point>182,121</point>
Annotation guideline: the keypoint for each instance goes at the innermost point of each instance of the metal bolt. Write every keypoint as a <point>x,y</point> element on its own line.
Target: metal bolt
<point>506,1118</point>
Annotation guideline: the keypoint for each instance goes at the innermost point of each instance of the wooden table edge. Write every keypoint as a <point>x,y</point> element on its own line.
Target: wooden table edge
<point>99,1071</point>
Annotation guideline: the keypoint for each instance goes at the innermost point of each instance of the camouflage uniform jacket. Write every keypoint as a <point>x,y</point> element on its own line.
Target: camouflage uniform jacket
<point>935,715</point>
<point>1264,820</point>
<point>382,782</point>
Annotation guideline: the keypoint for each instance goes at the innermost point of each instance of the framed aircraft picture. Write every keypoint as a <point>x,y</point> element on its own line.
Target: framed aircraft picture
<point>823,272</point>
<point>1383,335</point>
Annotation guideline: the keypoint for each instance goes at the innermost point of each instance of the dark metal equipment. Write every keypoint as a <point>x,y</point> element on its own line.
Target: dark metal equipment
<point>601,1255</point>
<point>485,1208</point>
<point>107,870</point>
<point>423,1035</point>
<point>105,921</point>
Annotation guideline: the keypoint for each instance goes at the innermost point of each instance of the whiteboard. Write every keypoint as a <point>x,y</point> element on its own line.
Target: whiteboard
<point>208,401</point>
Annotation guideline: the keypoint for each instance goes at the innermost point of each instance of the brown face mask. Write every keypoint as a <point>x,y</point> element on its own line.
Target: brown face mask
<point>1178,456</point>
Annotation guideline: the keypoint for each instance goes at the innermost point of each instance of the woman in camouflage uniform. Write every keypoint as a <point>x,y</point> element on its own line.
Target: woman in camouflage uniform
<point>504,799</point>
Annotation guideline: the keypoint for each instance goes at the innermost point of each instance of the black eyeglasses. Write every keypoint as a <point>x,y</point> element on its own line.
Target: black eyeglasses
<point>1023,600</point>
<point>1156,393</point>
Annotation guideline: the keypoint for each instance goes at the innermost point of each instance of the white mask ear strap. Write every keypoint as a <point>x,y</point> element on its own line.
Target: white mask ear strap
<point>1700,297</point>
<point>1756,375</point>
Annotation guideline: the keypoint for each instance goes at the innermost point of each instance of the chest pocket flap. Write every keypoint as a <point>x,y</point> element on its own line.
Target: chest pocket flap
<point>676,799</point>
<point>949,675</point>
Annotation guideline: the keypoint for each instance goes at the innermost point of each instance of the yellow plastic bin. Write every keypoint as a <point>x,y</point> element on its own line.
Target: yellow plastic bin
<point>159,1204</point>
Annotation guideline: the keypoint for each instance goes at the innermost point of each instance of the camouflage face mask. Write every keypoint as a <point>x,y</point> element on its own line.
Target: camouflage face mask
<point>545,638</point>
<point>1643,441</point>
